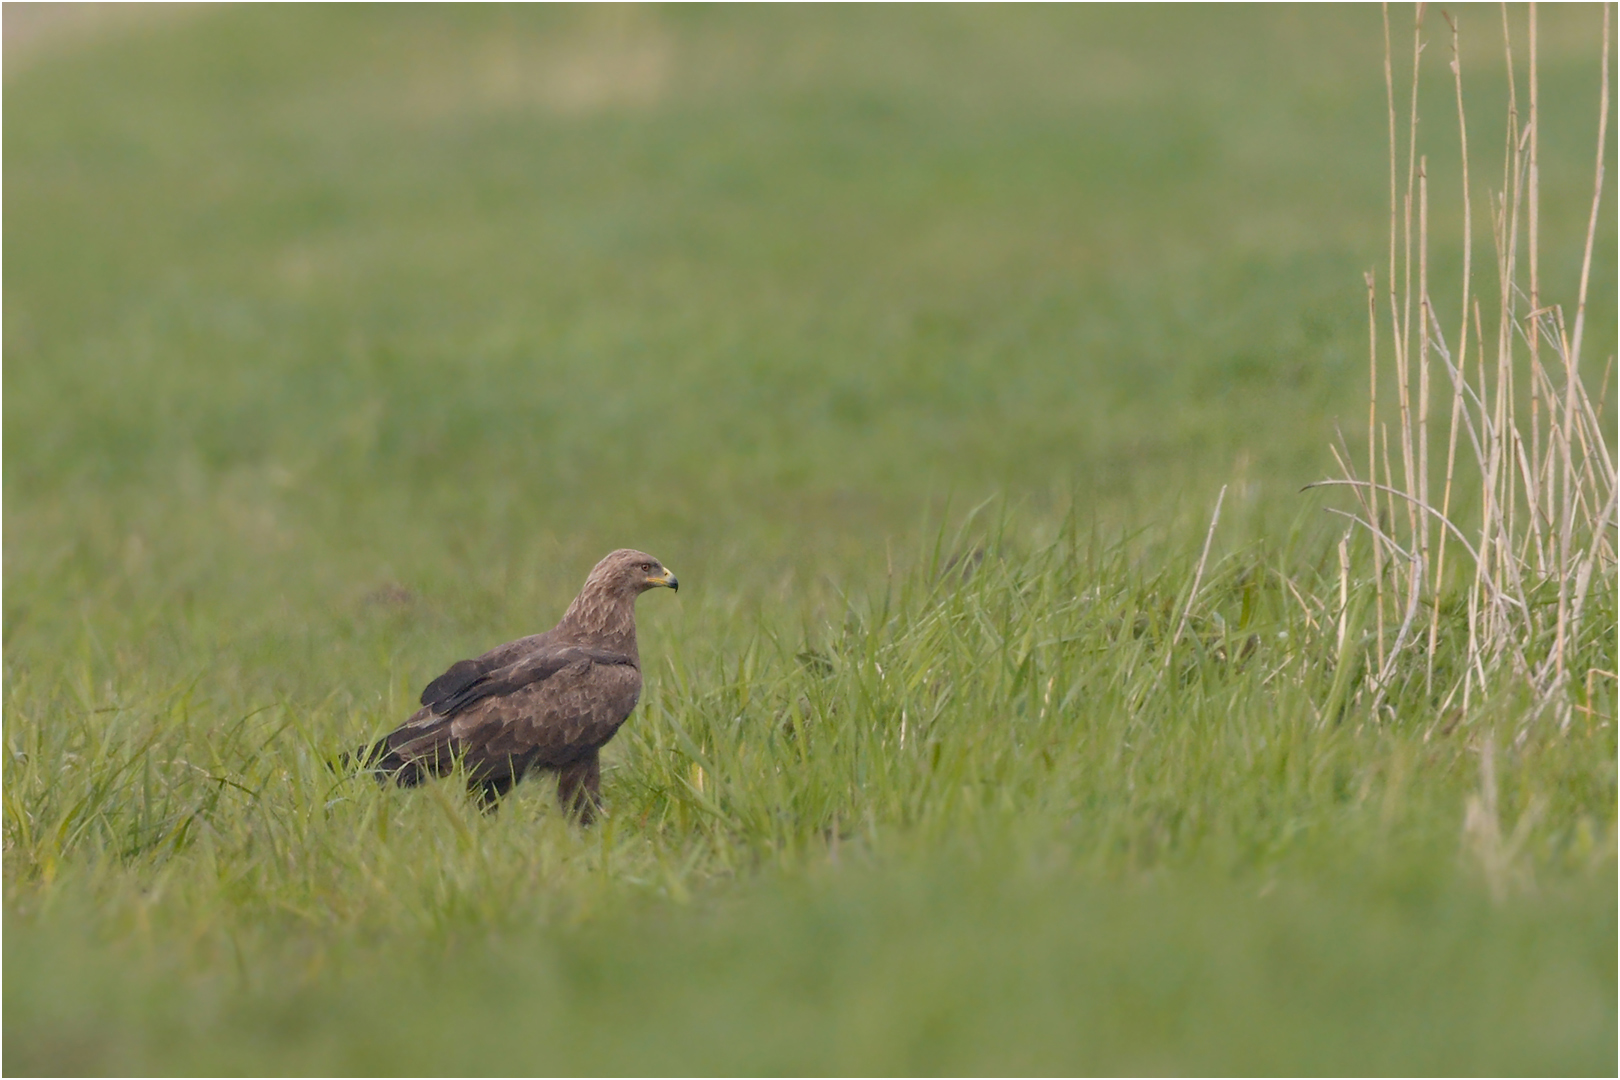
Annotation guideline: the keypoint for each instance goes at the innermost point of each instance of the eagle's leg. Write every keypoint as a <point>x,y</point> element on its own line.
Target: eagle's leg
<point>579,788</point>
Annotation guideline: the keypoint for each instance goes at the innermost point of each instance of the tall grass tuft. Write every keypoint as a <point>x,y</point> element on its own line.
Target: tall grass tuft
<point>1487,568</point>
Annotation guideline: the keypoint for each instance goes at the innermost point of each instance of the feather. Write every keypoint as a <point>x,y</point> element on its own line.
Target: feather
<point>549,700</point>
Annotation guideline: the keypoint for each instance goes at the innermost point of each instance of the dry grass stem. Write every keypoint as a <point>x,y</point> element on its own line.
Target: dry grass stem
<point>1521,428</point>
<point>1198,574</point>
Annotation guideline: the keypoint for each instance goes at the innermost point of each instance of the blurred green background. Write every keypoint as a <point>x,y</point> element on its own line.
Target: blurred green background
<point>737,286</point>
<point>341,341</point>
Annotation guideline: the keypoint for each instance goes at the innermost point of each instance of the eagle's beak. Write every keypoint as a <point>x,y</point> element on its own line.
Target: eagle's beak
<point>668,579</point>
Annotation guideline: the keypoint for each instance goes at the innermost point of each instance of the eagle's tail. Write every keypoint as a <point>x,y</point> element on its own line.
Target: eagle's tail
<point>383,762</point>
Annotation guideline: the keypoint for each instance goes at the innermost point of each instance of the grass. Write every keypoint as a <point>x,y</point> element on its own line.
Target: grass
<point>340,343</point>
<point>1544,486</point>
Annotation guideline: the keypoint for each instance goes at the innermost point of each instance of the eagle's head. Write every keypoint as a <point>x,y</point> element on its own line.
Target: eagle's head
<point>630,572</point>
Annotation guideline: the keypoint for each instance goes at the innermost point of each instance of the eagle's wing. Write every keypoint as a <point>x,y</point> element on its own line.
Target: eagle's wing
<point>536,666</point>
<point>547,722</point>
<point>543,703</point>
<point>463,673</point>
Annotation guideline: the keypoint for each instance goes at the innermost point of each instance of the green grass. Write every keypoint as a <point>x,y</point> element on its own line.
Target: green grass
<point>340,343</point>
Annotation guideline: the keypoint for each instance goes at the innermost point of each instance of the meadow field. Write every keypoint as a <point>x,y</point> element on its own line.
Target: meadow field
<point>922,344</point>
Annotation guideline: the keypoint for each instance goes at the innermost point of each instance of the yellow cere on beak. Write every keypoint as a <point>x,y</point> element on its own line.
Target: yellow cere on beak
<point>667,578</point>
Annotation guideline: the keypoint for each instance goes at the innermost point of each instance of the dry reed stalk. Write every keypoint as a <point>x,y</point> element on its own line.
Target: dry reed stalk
<point>1372,396</point>
<point>1362,492</point>
<point>1534,183</point>
<point>1403,323</point>
<point>1597,200</point>
<point>1394,194</point>
<point>1389,489</point>
<point>1198,575</point>
<point>1547,487</point>
<point>1460,370</point>
<point>1423,388</point>
<point>1299,597</point>
<point>1569,617</point>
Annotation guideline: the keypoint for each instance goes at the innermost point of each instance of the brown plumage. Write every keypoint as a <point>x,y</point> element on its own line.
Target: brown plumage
<point>547,701</point>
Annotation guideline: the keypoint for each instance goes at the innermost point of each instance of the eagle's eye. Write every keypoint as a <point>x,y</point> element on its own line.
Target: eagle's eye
<point>646,567</point>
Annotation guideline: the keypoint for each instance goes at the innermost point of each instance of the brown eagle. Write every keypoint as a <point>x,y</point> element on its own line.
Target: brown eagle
<point>546,701</point>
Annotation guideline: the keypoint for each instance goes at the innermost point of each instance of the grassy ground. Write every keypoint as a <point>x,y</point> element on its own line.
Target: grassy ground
<point>341,342</point>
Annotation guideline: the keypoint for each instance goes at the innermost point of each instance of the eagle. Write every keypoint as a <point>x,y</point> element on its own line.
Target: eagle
<point>547,701</point>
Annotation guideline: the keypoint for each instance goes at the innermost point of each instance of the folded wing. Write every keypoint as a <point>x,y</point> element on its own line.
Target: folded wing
<point>528,702</point>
